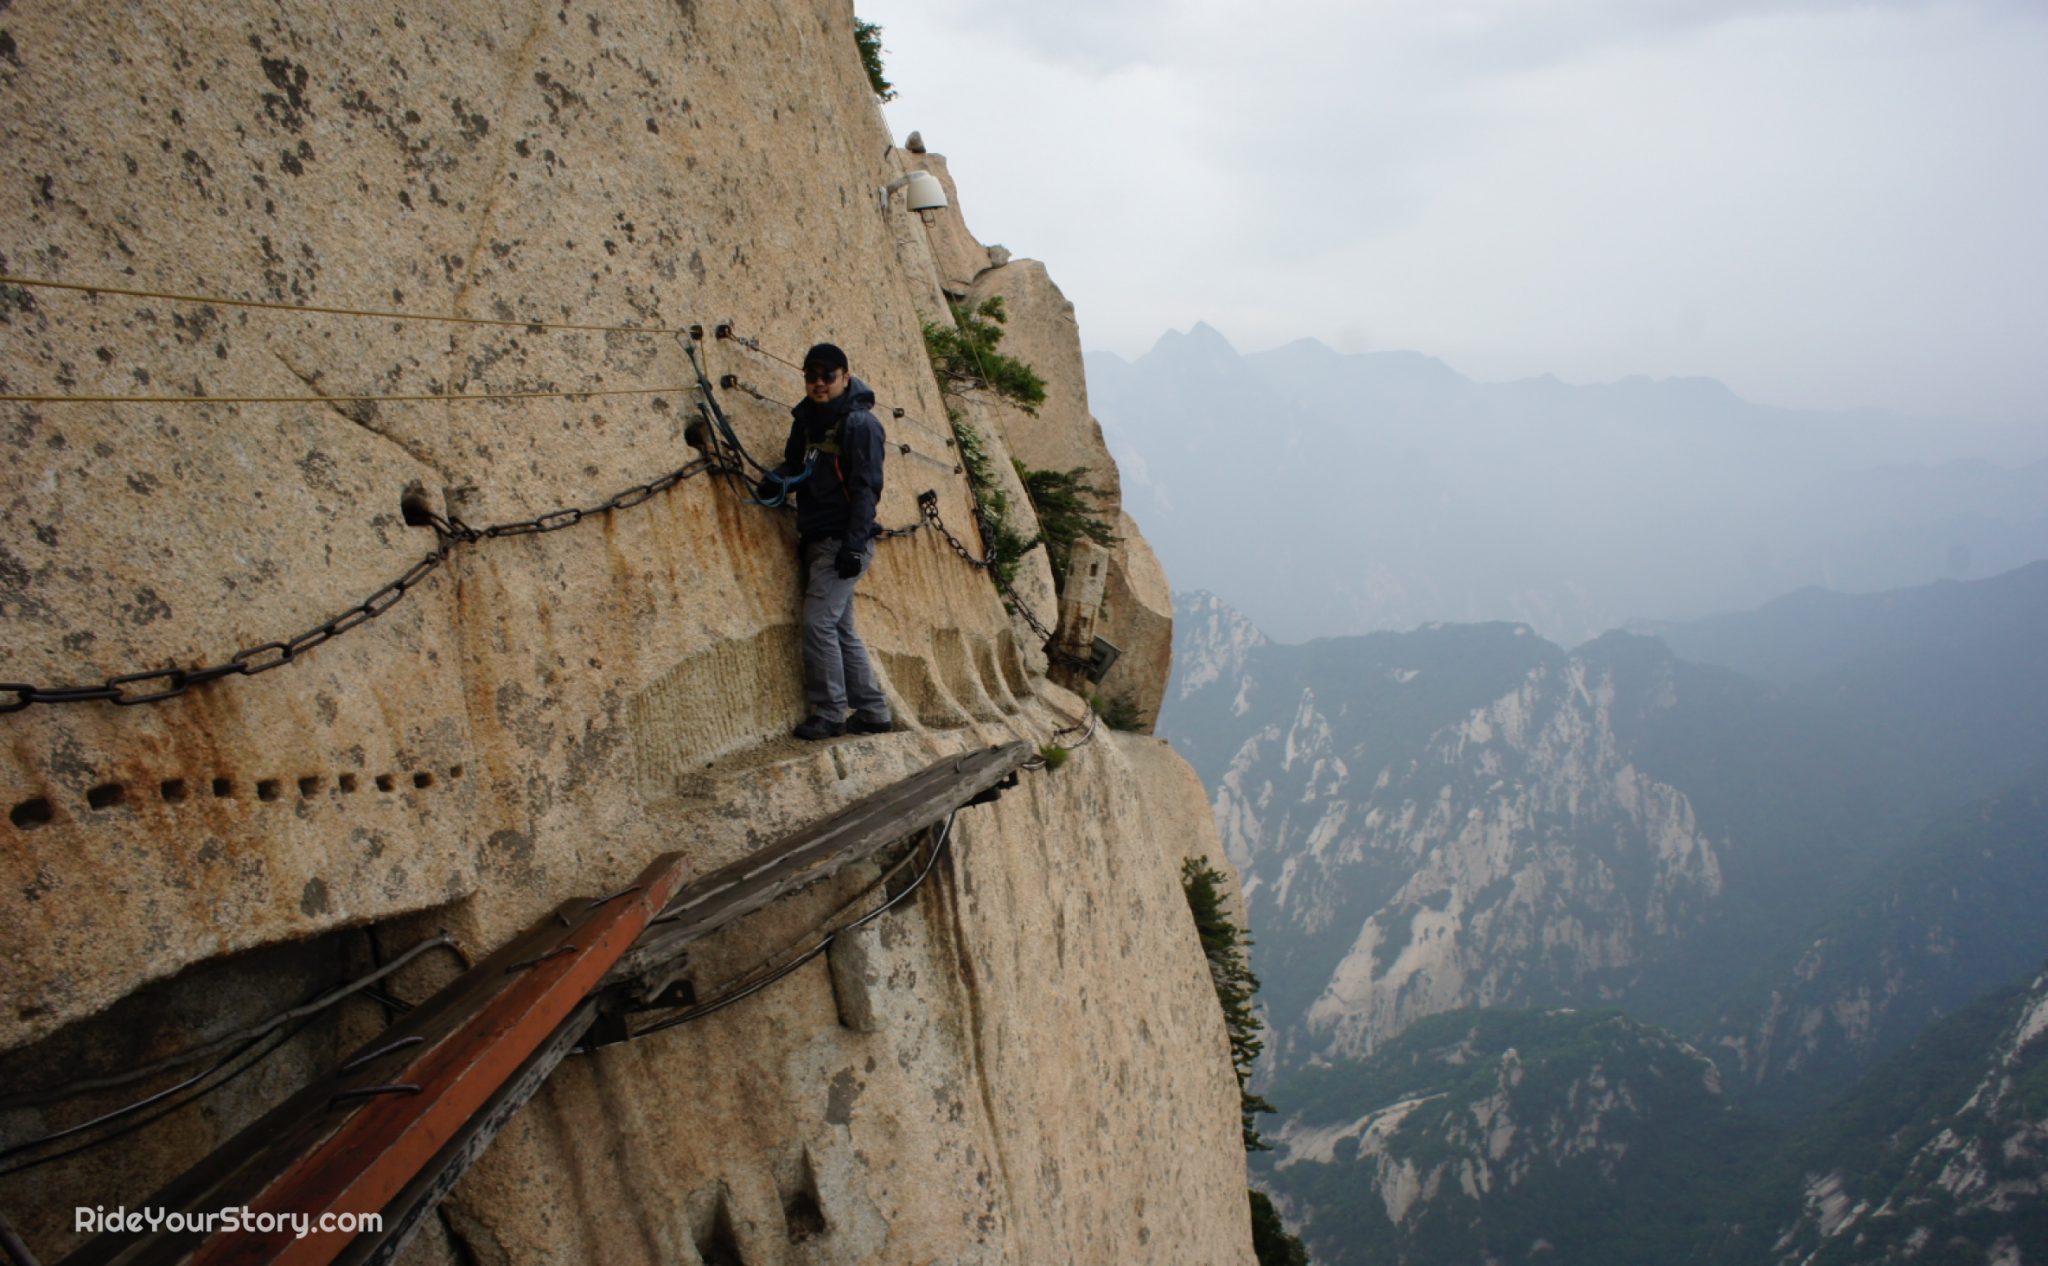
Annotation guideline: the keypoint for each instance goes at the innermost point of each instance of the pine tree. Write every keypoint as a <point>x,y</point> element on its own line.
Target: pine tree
<point>1224,944</point>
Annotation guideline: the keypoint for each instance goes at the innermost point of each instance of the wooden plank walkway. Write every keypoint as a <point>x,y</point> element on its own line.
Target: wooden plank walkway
<point>392,1129</point>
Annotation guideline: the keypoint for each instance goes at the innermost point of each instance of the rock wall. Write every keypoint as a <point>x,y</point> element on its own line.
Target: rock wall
<point>1047,1078</point>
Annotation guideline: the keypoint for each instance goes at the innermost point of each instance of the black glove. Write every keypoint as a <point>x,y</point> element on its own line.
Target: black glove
<point>848,562</point>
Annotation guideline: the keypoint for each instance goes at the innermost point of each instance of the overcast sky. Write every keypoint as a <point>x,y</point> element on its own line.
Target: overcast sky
<point>1823,204</point>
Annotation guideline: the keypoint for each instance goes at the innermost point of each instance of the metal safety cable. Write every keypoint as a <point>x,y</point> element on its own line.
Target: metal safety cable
<point>221,301</point>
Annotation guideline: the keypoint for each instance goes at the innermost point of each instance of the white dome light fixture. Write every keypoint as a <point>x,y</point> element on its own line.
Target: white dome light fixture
<point>925,194</point>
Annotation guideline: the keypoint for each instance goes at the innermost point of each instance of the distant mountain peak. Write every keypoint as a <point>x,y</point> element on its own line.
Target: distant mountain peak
<point>1212,640</point>
<point>1201,341</point>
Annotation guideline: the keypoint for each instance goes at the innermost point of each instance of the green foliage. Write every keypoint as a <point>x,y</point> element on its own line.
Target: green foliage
<point>1685,1176</point>
<point>1271,1244</point>
<point>1119,712</point>
<point>868,36</point>
<point>1224,945</point>
<point>1007,546</point>
<point>1067,505</point>
<point>1620,1152</point>
<point>966,353</point>
<point>1053,755</point>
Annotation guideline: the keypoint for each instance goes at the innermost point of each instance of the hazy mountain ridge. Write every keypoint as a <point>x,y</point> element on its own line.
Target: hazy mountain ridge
<point>1800,880</point>
<point>1959,912</point>
<point>1500,903</point>
<point>1508,1136</point>
<point>1941,1155</point>
<point>1520,1136</point>
<point>1466,815</point>
<point>1571,508</point>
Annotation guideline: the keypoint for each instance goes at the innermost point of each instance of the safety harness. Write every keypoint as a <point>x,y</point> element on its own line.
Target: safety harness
<point>830,443</point>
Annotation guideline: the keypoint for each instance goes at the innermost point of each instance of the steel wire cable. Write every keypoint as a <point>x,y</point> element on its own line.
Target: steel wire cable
<point>741,987</point>
<point>276,1039</point>
<point>420,398</point>
<point>170,682</point>
<point>268,306</point>
<point>333,997</point>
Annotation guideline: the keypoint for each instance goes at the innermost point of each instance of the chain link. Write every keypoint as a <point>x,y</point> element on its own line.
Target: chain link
<point>451,532</point>
<point>250,661</point>
<point>928,510</point>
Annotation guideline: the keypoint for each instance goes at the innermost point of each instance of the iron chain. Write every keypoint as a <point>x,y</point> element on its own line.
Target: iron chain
<point>451,532</point>
<point>261,658</point>
<point>928,510</point>
<point>927,502</point>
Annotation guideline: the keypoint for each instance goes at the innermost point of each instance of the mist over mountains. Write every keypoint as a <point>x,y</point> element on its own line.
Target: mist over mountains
<point>1324,493</point>
<point>1470,815</point>
<point>1695,946</point>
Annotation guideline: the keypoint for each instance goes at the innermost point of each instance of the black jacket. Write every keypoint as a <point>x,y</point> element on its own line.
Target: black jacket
<point>839,496</point>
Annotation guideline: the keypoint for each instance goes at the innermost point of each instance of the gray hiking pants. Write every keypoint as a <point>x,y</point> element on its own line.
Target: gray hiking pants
<point>836,668</point>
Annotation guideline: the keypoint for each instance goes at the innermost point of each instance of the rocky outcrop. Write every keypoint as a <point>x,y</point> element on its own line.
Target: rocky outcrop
<point>1433,821</point>
<point>1042,1074</point>
<point>1137,616</point>
<point>1474,1137</point>
<point>1963,1179</point>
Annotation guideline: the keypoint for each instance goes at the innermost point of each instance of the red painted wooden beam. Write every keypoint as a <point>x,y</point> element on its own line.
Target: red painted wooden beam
<point>353,1142</point>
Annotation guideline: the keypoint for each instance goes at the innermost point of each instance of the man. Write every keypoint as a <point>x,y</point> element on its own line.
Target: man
<point>832,464</point>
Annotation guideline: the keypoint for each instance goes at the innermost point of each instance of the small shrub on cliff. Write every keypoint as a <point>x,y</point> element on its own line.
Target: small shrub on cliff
<point>1067,506</point>
<point>1120,712</point>
<point>1271,1244</point>
<point>1224,944</point>
<point>1005,544</point>
<point>868,37</point>
<point>966,353</point>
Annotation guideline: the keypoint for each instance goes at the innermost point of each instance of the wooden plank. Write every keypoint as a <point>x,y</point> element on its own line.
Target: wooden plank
<point>817,852</point>
<point>333,1148</point>
<point>470,1056</point>
<point>297,1123</point>
<point>404,1215</point>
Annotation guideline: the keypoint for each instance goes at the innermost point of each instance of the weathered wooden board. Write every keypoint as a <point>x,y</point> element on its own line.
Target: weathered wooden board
<point>814,853</point>
<point>397,1124</point>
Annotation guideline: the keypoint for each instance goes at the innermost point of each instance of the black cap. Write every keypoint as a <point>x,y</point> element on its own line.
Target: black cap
<point>824,356</point>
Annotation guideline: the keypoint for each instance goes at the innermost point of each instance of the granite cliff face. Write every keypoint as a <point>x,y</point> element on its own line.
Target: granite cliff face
<point>1800,886</point>
<point>1411,814</point>
<point>1797,873</point>
<point>1475,1136</point>
<point>507,201</point>
<point>1966,1182</point>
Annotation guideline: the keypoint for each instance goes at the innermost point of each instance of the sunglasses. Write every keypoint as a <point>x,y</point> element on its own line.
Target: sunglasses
<point>820,375</point>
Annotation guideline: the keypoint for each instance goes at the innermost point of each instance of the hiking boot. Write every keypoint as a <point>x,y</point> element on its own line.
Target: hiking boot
<point>814,728</point>
<point>861,725</point>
